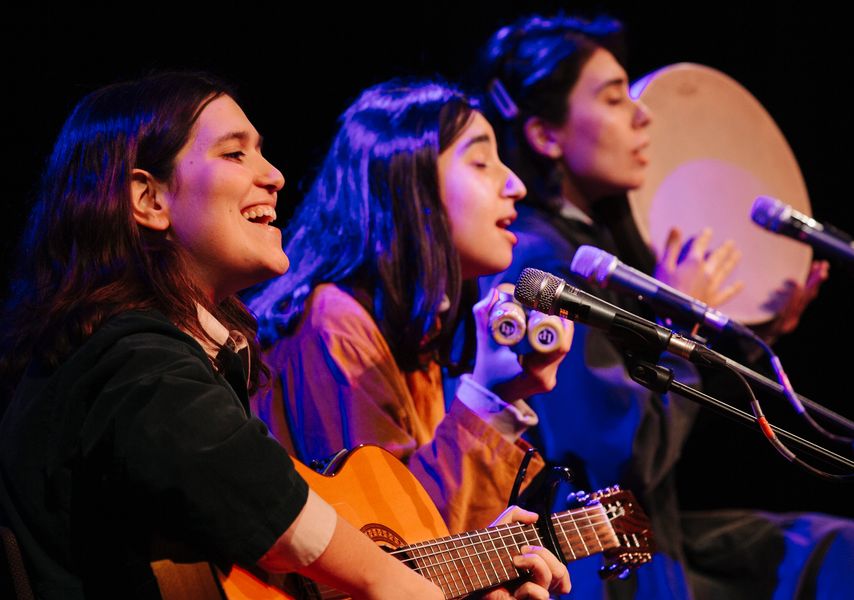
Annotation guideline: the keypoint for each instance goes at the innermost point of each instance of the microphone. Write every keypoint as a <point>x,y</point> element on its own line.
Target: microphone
<point>774,215</point>
<point>605,270</point>
<point>551,295</point>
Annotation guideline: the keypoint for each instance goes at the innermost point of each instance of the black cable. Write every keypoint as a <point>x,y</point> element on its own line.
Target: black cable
<point>790,394</point>
<point>771,436</point>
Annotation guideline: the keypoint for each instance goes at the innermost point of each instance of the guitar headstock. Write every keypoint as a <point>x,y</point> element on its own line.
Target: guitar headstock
<point>631,527</point>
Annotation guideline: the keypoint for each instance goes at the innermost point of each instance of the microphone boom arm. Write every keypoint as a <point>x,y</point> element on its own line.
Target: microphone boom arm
<point>651,376</point>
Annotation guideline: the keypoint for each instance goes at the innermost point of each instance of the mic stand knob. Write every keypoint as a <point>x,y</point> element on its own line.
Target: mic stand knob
<point>648,374</point>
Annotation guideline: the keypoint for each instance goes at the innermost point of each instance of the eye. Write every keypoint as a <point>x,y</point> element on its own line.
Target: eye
<point>236,155</point>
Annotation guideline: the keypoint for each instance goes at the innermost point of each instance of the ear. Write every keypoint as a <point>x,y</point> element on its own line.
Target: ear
<point>542,138</point>
<point>147,201</point>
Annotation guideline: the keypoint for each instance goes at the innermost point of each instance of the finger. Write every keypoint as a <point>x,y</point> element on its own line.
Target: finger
<point>714,257</point>
<point>724,269</point>
<point>516,514</point>
<point>538,570</point>
<point>539,372</point>
<point>484,305</point>
<point>530,591</point>
<point>569,332</point>
<point>700,245</point>
<point>506,287</point>
<point>557,571</point>
<point>497,594</point>
<point>723,255</point>
<point>671,249</point>
<point>819,271</point>
<point>727,293</point>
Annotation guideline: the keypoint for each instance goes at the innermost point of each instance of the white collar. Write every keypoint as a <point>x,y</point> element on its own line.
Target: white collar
<point>233,340</point>
<point>570,211</point>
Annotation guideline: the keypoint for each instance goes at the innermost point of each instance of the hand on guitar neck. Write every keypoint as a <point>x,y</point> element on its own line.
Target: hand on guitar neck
<point>545,572</point>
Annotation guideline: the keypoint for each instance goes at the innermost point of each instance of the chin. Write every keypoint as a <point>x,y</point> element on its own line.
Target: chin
<point>498,266</point>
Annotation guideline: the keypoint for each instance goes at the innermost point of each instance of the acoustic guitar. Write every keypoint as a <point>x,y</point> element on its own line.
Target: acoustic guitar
<point>374,491</point>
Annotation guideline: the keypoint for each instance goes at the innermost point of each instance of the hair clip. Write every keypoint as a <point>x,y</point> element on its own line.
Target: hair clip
<point>502,100</point>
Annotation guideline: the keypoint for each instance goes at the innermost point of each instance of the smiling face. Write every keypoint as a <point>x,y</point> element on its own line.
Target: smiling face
<point>221,202</point>
<point>603,139</point>
<point>478,192</point>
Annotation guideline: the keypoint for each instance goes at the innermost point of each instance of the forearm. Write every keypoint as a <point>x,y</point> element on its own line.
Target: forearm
<point>352,563</point>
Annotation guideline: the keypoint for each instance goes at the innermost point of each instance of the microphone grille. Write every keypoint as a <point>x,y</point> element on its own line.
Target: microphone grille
<point>536,289</point>
<point>768,212</point>
<point>593,264</point>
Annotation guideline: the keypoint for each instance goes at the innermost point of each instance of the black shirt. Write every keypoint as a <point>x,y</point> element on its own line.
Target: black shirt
<point>137,437</point>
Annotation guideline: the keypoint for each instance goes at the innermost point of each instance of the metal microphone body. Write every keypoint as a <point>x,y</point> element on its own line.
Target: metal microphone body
<point>607,271</point>
<point>776,216</point>
<point>552,295</point>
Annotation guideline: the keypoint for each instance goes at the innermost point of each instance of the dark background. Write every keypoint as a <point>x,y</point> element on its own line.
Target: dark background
<point>297,66</point>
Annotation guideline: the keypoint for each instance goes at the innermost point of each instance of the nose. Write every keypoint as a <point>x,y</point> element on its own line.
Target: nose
<point>269,176</point>
<point>642,116</point>
<point>513,187</point>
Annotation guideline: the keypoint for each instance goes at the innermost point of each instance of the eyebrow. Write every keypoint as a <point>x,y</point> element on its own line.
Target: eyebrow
<point>242,136</point>
<point>478,139</point>
<point>620,81</point>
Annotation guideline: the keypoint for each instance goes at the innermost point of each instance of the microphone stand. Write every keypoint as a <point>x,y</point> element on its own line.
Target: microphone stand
<point>660,379</point>
<point>772,385</point>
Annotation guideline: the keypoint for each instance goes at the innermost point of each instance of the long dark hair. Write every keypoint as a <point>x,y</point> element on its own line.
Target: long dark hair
<point>527,69</point>
<point>374,220</point>
<point>83,258</point>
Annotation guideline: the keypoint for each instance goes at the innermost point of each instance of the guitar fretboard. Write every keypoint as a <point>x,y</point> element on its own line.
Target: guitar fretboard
<point>468,562</point>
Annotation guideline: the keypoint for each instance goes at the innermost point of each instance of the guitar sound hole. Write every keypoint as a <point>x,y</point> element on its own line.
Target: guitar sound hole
<point>383,536</point>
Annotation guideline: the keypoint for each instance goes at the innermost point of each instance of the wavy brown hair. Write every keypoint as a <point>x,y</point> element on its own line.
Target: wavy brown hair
<point>83,258</point>
<point>374,221</point>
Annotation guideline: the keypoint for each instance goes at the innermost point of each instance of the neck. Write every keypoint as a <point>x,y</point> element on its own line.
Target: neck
<point>585,193</point>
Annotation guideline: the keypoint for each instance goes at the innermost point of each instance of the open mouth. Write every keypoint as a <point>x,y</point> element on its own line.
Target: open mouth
<point>505,223</point>
<point>262,214</point>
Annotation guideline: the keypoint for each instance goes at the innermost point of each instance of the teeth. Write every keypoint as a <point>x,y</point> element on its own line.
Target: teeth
<point>260,211</point>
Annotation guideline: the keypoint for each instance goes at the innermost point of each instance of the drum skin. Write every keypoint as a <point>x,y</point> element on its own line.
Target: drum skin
<point>715,149</point>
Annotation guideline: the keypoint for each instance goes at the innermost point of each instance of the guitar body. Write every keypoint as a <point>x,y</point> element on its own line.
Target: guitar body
<point>373,491</point>
<point>371,486</point>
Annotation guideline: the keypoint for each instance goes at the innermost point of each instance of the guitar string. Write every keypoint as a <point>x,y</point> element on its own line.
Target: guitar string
<point>459,576</point>
<point>470,542</point>
<point>561,518</point>
<point>455,576</point>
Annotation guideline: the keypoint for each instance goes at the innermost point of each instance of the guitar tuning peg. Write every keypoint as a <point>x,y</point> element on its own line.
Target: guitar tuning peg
<point>580,497</point>
<point>615,570</point>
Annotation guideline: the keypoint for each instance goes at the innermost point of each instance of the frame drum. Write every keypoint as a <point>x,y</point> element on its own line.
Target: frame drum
<point>715,149</point>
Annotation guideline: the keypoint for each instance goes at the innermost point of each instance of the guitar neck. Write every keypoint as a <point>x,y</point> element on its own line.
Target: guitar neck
<point>468,562</point>
<point>584,531</point>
